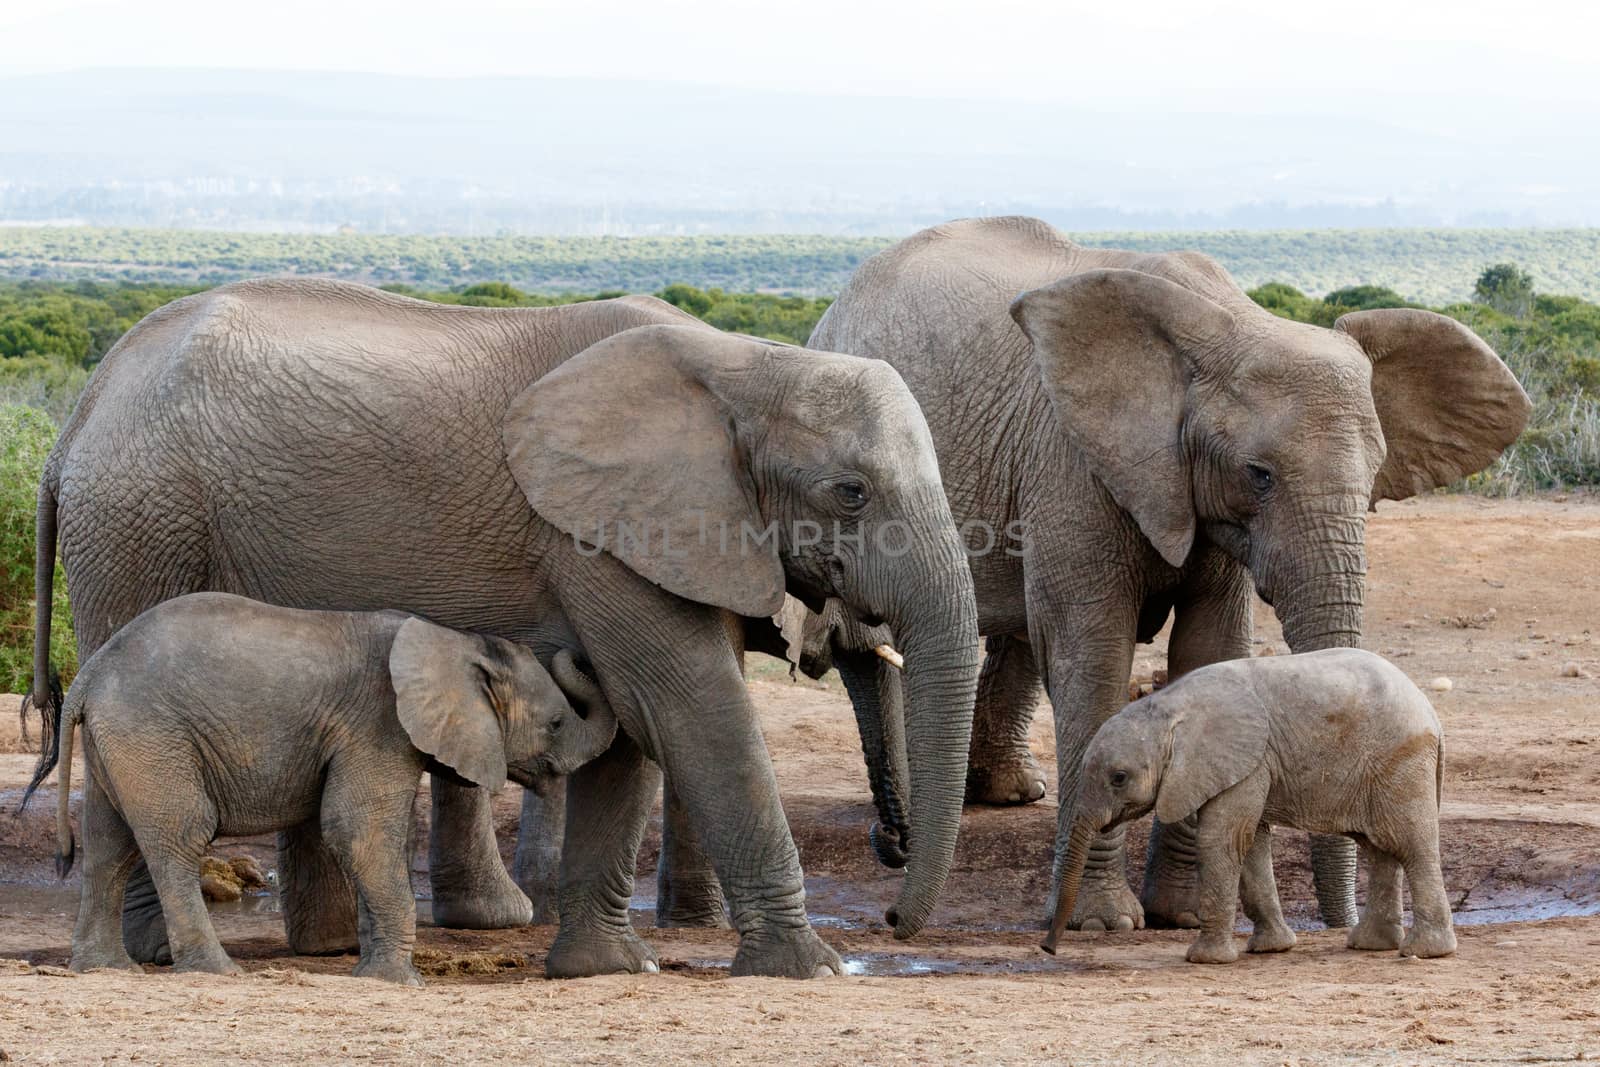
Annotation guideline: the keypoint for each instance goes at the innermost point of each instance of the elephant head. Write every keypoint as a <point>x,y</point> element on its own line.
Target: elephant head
<point>1206,414</point>
<point>486,709</point>
<point>1171,751</point>
<point>727,470</point>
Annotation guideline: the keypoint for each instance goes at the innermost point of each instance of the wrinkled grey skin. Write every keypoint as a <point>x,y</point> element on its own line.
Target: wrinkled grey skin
<point>211,715</point>
<point>1336,742</point>
<point>1169,447</point>
<point>326,445</point>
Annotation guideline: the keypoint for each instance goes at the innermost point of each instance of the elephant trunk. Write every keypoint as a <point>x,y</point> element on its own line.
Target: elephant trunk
<point>1071,878</point>
<point>937,633</point>
<point>1324,611</point>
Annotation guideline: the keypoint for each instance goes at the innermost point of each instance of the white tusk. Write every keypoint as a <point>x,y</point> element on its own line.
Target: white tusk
<point>894,659</point>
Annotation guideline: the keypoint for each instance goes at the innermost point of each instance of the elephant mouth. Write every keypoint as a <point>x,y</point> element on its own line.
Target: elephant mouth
<point>538,776</point>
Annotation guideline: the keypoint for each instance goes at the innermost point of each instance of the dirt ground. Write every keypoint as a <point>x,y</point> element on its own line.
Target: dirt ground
<point>1500,597</point>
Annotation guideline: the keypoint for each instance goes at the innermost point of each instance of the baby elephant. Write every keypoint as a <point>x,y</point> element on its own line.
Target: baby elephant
<point>1334,742</point>
<point>214,715</point>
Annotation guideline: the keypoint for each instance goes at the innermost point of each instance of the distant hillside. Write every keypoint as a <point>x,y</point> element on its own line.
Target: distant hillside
<point>1436,266</point>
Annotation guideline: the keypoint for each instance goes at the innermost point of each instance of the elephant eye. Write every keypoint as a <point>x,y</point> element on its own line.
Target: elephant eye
<point>1260,477</point>
<point>851,493</point>
<point>1119,779</point>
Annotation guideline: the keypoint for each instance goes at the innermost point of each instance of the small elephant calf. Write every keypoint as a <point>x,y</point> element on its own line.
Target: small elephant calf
<point>1334,742</point>
<point>214,715</point>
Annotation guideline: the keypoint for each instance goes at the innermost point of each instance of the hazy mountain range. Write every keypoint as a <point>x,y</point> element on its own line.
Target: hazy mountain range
<point>264,150</point>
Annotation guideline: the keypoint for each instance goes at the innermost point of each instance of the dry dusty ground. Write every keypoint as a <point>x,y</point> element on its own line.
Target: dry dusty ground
<point>1500,597</point>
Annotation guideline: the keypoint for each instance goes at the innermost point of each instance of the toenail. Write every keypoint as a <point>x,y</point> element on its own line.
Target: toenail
<point>650,967</point>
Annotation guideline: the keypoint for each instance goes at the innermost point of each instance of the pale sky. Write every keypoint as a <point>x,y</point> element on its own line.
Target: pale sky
<point>1291,55</point>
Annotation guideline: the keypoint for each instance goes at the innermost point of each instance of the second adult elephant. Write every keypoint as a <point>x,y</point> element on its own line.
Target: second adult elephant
<point>1156,443</point>
<point>580,477</point>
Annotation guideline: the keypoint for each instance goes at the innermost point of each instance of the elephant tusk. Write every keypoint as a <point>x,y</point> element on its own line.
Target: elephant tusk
<point>893,658</point>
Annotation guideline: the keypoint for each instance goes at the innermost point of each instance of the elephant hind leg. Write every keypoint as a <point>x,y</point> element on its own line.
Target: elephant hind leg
<point>1381,928</point>
<point>1259,893</point>
<point>1000,766</point>
<point>110,855</point>
<point>173,843</point>
<point>1432,933</point>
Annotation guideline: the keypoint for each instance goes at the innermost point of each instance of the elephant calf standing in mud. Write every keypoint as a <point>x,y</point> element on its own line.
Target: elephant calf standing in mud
<point>1335,742</point>
<point>215,715</point>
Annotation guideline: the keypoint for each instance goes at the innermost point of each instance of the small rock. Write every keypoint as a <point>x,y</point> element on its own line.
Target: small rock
<point>1575,670</point>
<point>1441,684</point>
<point>1523,653</point>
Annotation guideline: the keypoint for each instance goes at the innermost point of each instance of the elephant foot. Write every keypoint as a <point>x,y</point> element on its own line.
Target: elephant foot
<point>1429,943</point>
<point>888,844</point>
<point>84,960</point>
<point>585,954</point>
<point>1171,903</point>
<point>500,905</point>
<point>1105,903</point>
<point>396,969</point>
<point>1213,948</point>
<point>1273,937</point>
<point>1375,935</point>
<point>207,963</point>
<point>697,905</point>
<point>795,953</point>
<point>1003,780</point>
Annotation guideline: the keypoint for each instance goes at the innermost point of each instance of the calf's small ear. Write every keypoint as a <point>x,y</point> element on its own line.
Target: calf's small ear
<point>1218,735</point>
<point>444,694</point>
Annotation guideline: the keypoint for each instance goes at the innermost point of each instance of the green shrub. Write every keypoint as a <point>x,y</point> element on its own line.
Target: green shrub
<point>25,439</point>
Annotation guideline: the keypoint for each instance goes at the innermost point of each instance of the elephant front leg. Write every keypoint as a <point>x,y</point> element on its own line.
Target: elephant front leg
<point>1000,765</point>
<point>1212,623</point>
<point>1088,683</point>
<point>687,891</point>
<point>471,888</point>
<point>608,805</point>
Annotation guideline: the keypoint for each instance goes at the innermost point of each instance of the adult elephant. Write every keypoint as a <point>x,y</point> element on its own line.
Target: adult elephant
<point>1130,437</point>
<point>613,478</point>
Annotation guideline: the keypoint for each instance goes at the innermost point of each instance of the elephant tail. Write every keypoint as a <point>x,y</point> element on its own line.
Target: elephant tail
<point>59,721</point>
<point>46,694</point>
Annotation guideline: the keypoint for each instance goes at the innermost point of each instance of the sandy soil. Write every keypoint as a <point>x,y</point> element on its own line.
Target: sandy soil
<point>1502,598</point>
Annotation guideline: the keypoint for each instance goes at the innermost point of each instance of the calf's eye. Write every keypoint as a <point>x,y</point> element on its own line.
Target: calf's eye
<point>1119,779</point>
<point>1260,477</point>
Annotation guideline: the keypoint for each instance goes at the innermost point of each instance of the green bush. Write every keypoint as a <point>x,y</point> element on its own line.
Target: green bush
<point>25,439</point>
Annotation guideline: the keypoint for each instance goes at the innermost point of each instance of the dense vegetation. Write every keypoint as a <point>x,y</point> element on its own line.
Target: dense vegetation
<point>1432,266</point>
<point>25,438</point>
<point>52,334</point>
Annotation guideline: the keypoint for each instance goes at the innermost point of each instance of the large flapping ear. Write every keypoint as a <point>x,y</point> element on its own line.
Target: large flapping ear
<point>442,685</point>
<point>1219,728</point>
<point>633,446</point>
<point>1447,404</point>
<point>1116,350</point>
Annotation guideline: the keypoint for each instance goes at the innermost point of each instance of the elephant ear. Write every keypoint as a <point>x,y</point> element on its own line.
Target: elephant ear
<point>1117,350</point>
<point>1448,405</point>
<point>444,682</point>
<point>626,447</point>
<point>1219,730</point>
